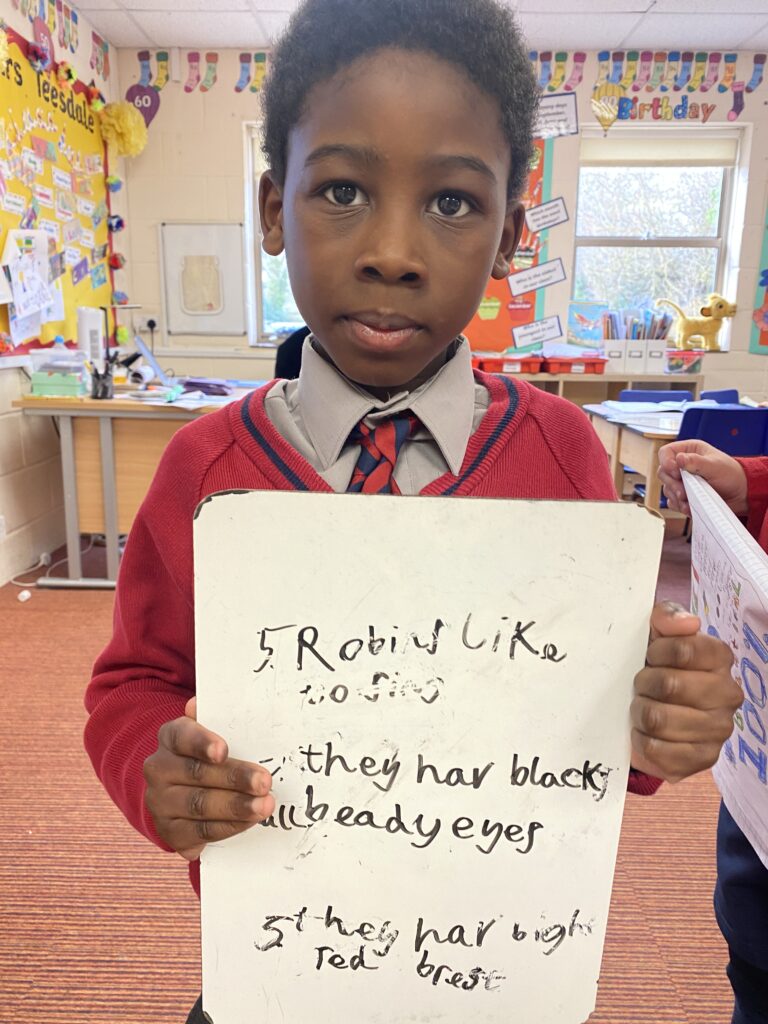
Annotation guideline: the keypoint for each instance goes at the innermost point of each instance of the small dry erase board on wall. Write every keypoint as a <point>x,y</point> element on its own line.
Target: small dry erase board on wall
<point>448,732</point>
<point>203,281</point>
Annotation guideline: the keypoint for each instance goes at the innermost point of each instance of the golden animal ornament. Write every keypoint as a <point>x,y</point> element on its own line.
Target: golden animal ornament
<point>701,331</point>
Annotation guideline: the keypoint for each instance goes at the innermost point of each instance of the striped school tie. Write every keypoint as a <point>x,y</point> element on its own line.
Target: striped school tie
<point>379,448</point>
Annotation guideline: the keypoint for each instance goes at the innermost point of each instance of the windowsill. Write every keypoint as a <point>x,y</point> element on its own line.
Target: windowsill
<point>15,363</point>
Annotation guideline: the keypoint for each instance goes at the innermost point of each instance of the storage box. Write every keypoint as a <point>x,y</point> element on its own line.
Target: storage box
<point>684,361</point>
<point>512,364</point>
<point>656,355</point>
<point>635,361</point>
<point>587,364</point>
<point>616,352</point>
<point>61,384</point>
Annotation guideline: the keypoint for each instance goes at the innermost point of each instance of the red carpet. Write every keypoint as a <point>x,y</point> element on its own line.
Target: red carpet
<point>98,927</point>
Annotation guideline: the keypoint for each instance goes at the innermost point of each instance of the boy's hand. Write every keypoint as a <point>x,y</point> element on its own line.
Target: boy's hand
<point>685,698</point>
<point>196,793</point>
<point>720,471</point>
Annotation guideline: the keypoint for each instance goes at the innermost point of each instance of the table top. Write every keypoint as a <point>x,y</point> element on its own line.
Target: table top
<point>82,405</point>
<point>663,424</point>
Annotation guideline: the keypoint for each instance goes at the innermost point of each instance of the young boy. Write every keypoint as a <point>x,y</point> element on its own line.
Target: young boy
<point>741,895</point>
<point>398,134</point>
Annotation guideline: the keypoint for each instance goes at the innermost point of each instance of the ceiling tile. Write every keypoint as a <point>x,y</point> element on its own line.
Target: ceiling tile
<point>274,22</point>
<point>98,5</point>
<point>273,5</point>
<point>118,28</point>
<point>683,31</point>
<point>573,32</point>
<point>213,7</point>
<point>759,41</point>
<point>197,28</point>
<point>716,7</point>
<point>584,6</point>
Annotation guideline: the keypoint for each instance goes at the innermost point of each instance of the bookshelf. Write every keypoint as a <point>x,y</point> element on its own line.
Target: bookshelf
<point>589,389</point>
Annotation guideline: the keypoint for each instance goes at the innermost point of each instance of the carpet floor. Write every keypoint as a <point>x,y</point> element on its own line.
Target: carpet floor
<point>99,927</point>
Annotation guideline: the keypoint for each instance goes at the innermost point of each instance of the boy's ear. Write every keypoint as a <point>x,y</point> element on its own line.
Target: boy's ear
<point>514,222</point>
<point>271,214</point>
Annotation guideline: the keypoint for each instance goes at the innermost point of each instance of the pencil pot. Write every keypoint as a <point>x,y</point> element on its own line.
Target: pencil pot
<point>102,386</point>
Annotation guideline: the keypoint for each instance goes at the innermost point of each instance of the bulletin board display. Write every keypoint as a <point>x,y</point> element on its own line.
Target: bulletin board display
<point>53,179</point>
<point>501,311</point>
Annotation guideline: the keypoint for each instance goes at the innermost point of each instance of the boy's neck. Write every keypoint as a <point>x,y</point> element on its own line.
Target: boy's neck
<point>388,392</point>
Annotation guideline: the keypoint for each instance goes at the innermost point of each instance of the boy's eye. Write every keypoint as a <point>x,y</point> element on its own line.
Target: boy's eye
<point>449,204</point>
<point>344,195</point>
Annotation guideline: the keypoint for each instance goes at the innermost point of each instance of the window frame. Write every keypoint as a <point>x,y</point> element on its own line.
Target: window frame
<point>719,242</point>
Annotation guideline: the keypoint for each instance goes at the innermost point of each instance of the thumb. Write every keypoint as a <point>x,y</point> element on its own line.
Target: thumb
<point>699,465</point>
<point>670,619</point>
<point>190,709</point>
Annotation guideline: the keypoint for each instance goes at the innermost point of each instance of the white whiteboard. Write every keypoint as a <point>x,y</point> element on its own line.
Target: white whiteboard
<point>472,651</point>
<point>203,278</point>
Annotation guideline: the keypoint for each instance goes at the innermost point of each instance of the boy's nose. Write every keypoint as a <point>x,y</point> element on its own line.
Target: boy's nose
<point>391,257</point>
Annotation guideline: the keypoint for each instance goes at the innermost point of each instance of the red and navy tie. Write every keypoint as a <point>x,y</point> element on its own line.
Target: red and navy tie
<point>379,448</point>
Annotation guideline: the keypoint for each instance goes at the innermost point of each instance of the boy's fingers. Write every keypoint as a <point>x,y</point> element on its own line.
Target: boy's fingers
<point>676,724</point>
<point>169,769</point>
<point>671,761</point>
<point>189,838</point>
<point>199,804</point>
<point>670,619</point>
<point>696,653</point>
<point>705,690</point>
<point>185,737</point>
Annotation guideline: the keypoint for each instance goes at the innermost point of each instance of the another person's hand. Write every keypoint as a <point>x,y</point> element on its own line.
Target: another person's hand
<point>720,471</point>
<point>685,698</point>
<point>196,793</point>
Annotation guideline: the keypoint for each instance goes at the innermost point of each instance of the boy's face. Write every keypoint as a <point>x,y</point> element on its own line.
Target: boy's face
<point>393,214</point>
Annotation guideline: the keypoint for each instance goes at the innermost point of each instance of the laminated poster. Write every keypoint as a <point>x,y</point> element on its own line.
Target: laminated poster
<point>447,724</point>
<point>729,593</point>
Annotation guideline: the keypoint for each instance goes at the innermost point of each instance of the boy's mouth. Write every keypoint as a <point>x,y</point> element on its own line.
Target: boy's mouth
<point>381,330</point>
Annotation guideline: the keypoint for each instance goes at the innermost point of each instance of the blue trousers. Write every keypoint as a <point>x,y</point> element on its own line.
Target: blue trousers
<point>750,989</point>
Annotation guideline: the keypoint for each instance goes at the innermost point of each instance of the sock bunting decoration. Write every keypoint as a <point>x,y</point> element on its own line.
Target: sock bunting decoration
<point>673,62</point>
<point>211,66</point>
<point>618,67</point>
<point>631,69</point>
<point>245,72</point>
<point>738,101</point>
<point>684,74</point>
<point>259,70</point>
<point>729,72</point>
<point>145,76</point>
<point>577,72</point>
<point>698,72</point>
<point>644,72</point>
<point>757,73</point>
<point>603,68</point>
<point>712,71</point>
<point>161,79</point>
<point>659,63</point>
<point>193,78</point>
<point>545,58</point>
<point>558,73</point>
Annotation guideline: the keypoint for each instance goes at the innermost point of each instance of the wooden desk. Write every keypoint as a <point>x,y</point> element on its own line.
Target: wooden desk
<point>109,453</point>
<point>628,444</point>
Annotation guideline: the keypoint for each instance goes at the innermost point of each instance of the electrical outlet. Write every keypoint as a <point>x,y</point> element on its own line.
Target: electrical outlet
<point>143,325</point>
<point>45,558</point>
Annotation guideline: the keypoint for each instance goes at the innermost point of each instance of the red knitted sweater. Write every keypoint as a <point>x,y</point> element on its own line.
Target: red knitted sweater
<point>528,445</point>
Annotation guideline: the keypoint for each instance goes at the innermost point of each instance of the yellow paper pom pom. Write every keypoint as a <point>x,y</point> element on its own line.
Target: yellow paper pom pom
<point>123,128</point>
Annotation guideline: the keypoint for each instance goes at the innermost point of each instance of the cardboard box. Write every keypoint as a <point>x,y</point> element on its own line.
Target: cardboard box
<point>635,361</point>
<point>656,356</point>
<point>615,351</point>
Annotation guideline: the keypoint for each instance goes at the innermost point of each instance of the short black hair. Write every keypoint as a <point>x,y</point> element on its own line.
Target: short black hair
<point>481,37</point>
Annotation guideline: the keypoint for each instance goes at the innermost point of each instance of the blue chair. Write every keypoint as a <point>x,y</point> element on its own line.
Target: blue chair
<point>729,396</point>
<point>733,429</point>
<point>665,395</point>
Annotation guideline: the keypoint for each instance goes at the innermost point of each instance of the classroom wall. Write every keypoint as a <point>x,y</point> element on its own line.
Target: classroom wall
<point>31,496</point>
<point>193,170</point>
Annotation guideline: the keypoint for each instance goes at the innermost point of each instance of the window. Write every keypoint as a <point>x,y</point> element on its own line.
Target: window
<point>271,309</point>
<point>651,218</point>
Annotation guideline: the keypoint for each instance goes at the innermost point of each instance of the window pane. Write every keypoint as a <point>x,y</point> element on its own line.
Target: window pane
<point>626,277</point>
<point>649,202</point>
<point>280,313</point>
